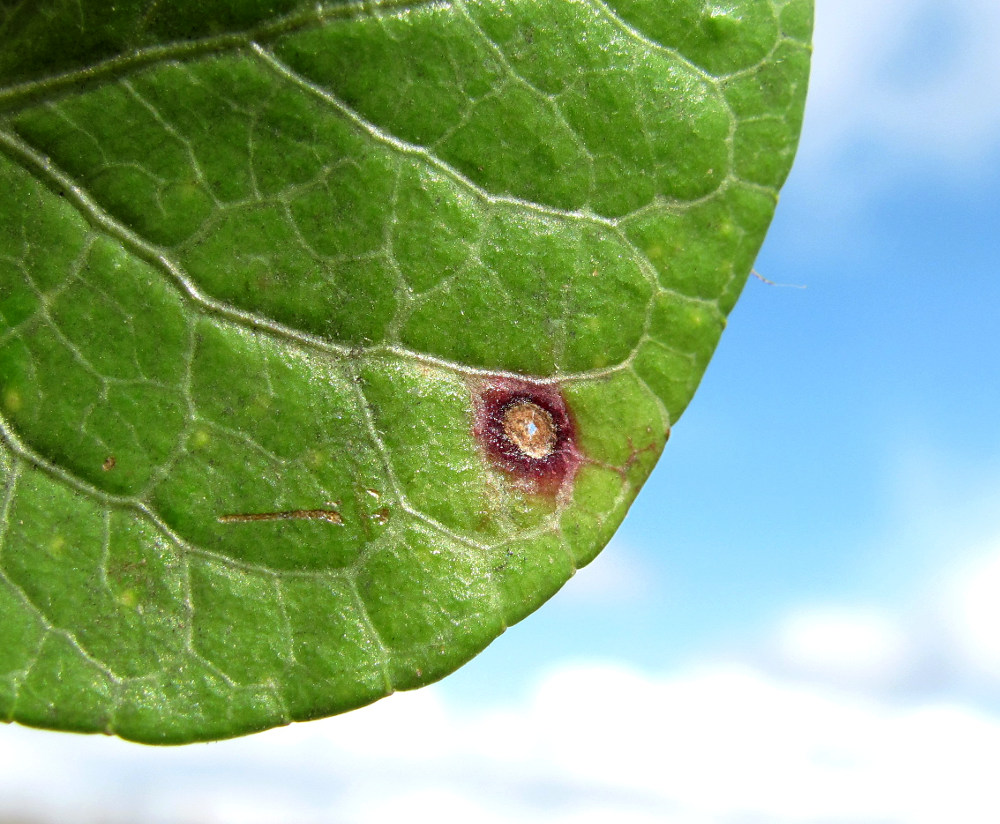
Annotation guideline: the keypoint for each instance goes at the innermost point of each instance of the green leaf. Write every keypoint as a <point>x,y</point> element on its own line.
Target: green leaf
<point>334,338</point>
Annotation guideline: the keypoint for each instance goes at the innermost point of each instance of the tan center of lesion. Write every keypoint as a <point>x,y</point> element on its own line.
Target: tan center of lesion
<point>530,428</point>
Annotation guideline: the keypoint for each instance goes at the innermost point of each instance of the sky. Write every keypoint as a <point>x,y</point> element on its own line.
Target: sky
<point>799,621</point>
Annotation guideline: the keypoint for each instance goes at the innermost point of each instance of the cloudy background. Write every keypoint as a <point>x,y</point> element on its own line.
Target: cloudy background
<point>800,619</point>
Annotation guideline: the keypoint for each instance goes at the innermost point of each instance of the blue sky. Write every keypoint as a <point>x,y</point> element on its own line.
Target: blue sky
<point>798,621</point>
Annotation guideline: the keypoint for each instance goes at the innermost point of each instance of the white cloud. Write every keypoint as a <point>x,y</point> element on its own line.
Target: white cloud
<point>917,78</point>
<point>863,647</point>
<point>596,743</point>
<point>972,608</point>
<point>943,642</point>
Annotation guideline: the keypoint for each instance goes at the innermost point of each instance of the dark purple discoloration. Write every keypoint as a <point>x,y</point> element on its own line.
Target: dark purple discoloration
<point>493,398</point>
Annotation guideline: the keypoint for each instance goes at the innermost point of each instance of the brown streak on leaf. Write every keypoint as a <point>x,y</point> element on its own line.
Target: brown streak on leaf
<point>328,515</point>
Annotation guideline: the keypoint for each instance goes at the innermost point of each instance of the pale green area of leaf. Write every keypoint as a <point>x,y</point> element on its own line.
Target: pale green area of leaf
<point>256,258</point>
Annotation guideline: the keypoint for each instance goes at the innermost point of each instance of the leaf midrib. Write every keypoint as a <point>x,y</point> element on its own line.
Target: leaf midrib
<point>23,94</point>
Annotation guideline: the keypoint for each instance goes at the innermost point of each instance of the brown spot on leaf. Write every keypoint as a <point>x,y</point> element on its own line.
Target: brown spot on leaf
<point>526,430</point>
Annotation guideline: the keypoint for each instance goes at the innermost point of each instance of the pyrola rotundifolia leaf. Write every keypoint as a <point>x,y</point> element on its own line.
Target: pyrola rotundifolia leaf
<point>335,336</point>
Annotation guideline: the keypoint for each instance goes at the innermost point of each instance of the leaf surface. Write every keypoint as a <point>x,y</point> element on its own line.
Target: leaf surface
<point>273,277</point>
